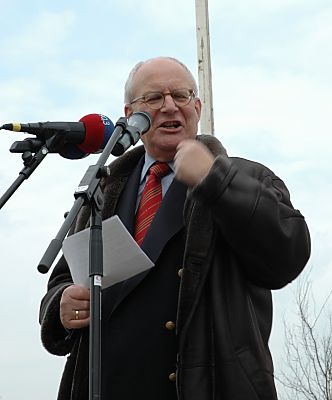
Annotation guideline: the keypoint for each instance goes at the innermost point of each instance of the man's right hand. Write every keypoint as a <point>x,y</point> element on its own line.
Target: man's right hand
<point>75,307</point>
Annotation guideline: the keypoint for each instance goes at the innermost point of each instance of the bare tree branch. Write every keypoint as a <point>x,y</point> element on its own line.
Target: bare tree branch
<point>308,348</point>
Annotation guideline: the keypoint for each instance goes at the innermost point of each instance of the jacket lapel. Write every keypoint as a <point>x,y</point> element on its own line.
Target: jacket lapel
<point>127,202</point>
<point>166,223</point>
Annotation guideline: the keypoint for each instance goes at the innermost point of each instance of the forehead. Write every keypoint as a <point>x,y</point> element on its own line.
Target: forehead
<point>160,75</point>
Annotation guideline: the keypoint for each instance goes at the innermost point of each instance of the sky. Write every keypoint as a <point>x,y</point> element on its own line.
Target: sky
<point>272,98</point>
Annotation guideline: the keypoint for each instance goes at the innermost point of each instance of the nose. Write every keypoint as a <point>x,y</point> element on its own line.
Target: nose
<point>169,104</point>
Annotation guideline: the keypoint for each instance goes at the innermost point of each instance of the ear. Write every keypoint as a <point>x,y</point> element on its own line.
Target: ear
<point>128,111</point>
<point>198,107</point>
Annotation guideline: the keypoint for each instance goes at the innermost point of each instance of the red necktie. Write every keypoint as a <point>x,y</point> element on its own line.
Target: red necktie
<point>150,200</point>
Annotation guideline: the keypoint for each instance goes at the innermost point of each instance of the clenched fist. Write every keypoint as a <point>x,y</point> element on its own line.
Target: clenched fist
<point>192,162</point>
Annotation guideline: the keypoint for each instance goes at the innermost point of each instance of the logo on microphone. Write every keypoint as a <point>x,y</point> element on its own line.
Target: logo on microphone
<point>106,120</point>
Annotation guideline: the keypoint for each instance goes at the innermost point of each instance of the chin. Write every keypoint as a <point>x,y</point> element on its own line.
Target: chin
<point>170,141</point>
<point>162,152</point>
<point>164,149</point>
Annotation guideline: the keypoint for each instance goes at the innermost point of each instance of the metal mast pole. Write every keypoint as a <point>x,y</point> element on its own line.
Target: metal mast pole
<point>204,66</point>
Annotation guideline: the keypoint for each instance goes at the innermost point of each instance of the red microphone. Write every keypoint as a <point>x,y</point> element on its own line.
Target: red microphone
<point>97,131</point>
<point>75,140</point>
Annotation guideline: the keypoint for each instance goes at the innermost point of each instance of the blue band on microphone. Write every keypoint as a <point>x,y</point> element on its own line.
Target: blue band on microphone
<point>72,152</point>
<point>109,128</point>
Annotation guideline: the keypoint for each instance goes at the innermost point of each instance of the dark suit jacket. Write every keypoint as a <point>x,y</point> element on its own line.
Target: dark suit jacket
<point>139,352</point>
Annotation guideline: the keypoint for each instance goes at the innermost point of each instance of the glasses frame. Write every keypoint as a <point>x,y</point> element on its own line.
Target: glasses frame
<point>192,95</point>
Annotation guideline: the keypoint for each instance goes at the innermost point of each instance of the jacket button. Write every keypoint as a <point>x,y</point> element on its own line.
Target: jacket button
<point>180,272</point>
<point>170,325</point>
<point>172,377</point>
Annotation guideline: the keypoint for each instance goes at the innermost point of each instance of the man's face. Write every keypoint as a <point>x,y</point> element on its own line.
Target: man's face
<point>171,124</point>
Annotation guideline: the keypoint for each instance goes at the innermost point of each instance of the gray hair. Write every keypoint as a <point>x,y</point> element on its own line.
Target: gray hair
<point>128,94</point>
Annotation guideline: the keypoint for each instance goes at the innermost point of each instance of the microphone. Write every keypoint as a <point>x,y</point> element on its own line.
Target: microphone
<point>75,140</point>
<point>97,131</point>
<point>138,123</point>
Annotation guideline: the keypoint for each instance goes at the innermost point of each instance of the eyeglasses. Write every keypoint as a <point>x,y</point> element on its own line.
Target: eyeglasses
<point>156,100</point>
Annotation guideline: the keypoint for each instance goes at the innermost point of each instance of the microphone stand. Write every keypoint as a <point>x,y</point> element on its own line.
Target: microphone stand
<point>89,191</point>
<point>51,143</point>
<point>27,147</point>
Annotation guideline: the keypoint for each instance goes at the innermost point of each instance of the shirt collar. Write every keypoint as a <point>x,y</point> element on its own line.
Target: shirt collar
<point>148,161</point>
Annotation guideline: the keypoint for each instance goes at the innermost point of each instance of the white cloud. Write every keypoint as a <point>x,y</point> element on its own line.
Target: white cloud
<point>258,8</point>
<point>173,16</point>
<point>20,97</point>
<point>307,47</point>
<point>65,92</point>
<point>42,37</point>
<point>289,108</point>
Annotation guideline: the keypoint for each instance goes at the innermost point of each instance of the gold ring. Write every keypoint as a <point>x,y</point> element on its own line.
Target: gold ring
<point>76,314</point>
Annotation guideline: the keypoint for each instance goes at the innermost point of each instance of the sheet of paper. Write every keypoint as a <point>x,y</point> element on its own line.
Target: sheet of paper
<point>122,257</point>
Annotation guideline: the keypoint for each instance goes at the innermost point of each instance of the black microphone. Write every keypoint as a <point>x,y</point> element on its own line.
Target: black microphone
<point>75,130</point>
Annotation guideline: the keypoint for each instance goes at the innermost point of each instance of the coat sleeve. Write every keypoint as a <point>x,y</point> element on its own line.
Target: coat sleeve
<point>55,338</point>
<point>253,212</point>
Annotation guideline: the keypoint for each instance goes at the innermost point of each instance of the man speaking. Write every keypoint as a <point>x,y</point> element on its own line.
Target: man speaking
<point>222,233</point>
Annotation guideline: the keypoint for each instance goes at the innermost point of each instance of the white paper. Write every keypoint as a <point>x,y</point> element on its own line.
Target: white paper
<point>122,257</point>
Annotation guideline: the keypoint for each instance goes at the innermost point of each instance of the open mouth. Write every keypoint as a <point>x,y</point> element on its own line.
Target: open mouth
<point>170,125</point>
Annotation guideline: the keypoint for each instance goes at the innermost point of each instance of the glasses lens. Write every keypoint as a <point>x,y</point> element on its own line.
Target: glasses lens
<point>181,97</point>
<point>154,100</point>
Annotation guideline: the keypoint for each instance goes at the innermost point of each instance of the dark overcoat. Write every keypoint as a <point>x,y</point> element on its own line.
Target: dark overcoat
<point>242,238</point>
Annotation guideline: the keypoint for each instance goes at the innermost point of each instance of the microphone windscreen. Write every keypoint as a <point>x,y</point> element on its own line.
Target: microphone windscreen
<point>98,130</point>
